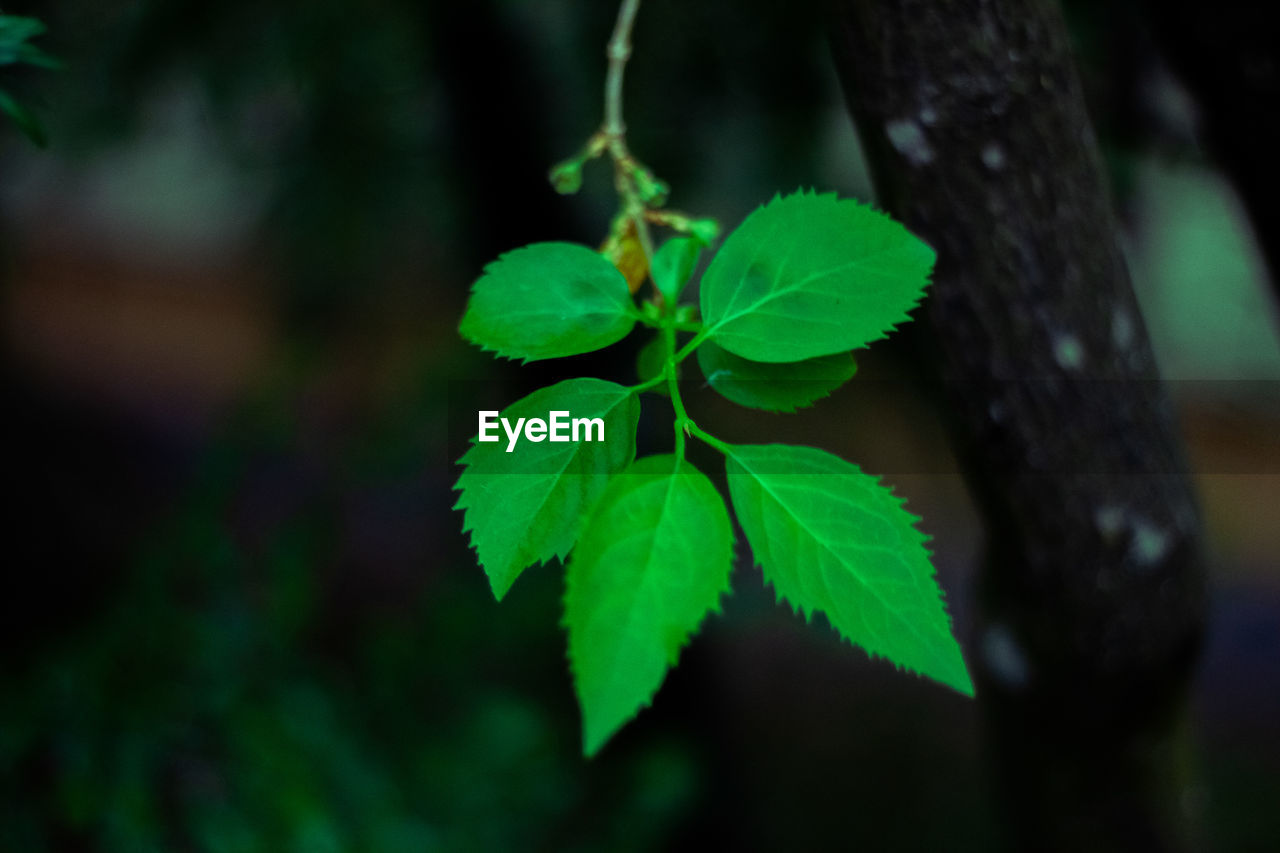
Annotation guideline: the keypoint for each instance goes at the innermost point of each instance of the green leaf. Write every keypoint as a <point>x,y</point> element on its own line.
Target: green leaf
<point>528,505</point>
<point>831,539</point>
<point>807,275</point>
<point>15,29</point>
<point>778,386</point>
<point>548,300</point>
<point>652,562</point>
<point>673,265</point>
<point>32,55</point>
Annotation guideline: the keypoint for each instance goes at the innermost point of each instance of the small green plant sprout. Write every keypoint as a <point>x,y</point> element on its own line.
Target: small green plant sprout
<point>649,545</point>
<point>16,33</point>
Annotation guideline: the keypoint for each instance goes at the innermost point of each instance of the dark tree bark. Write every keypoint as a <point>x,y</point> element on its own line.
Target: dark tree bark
<point>1092,592</point>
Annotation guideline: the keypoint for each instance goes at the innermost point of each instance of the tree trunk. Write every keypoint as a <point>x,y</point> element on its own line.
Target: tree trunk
<point>1092,593</point>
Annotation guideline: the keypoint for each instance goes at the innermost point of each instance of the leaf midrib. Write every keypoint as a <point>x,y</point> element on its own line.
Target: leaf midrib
<point>776,293</point>
<point>646,573</point>
<point>927,645</point>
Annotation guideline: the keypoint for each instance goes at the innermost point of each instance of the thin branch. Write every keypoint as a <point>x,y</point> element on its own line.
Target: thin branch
<point>641,194</point>
<point>618,52</point>
<point>614,130</point>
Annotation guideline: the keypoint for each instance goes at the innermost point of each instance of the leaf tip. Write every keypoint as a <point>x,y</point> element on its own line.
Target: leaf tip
<point>593,740</point>
<point>501,580</point>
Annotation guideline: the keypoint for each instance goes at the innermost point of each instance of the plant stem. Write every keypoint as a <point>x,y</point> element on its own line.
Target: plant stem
<point>648,383</point>
<point>661,323</point>
<point>614,130</point>
<point>669,336</point>
<point>703,333</point>
<point>640,192</point>
<point>682,424</point>
<point>618,52</point>
<point>682,417</point>
<point>722,446</point>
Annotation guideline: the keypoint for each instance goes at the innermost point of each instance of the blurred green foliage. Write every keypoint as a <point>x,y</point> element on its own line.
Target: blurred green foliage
<point>219,703</point>
<point>1201,278</point>
<point>16,48</point>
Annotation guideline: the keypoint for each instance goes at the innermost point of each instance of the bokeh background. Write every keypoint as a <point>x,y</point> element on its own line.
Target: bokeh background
<point>238,611</point>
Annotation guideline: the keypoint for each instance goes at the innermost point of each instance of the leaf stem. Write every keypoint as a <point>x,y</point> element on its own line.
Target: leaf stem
<point>703,333</point>
<point>723,446</point>
<point>682,424</point>
<point>641,387</point>
<point>682,421</point>
<point>661,322</point>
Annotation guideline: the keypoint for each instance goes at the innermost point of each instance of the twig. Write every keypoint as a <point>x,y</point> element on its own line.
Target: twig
<point>614,130</point>
<point>618,52</point>
<point>640,193</point>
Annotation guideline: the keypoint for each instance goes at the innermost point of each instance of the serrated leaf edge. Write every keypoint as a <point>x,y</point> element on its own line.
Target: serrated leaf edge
<point>629,308</point>
<point>714,610</point>
<point>468,526</point>
<point>893,326</point>
<point>807,613</point>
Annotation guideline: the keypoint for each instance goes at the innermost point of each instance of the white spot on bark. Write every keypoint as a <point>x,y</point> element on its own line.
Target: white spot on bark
<point>1068,352</point>
<point>1110,521</point>
<point>1004,658</point>
<point>1150,544</point>
<point>993,156</point>
<point>928,116</point>
<point>1121,329</point>
<point>908,140</point>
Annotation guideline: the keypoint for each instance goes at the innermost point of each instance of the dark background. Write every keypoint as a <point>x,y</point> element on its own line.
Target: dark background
<point>238,612</point>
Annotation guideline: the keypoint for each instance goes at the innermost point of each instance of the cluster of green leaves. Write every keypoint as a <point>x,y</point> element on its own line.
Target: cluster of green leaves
<point>649,544</point>
<point>16,33</point>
